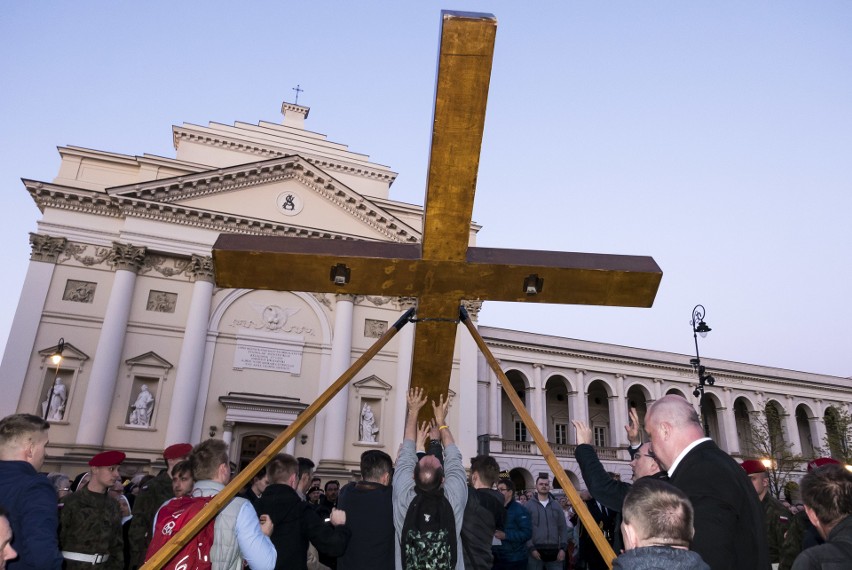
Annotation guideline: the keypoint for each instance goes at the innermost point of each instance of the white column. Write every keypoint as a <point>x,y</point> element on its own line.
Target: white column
<point>540,400</point>
<point>188,373</point>
<point>581,400</point>
<point>792,428</point>
<point>19,346</point>
<point>732,441</point>
<point>658,388</point>
<point>334,433</point>
<point>817,424</point>
<point>619,435</point>
<point>496,405</point>
<point>290,448</point>
<point>101,386</point>
<point>404,354</point>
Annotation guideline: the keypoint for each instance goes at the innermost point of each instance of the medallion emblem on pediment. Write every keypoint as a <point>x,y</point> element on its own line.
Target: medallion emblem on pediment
<point>289,203</point>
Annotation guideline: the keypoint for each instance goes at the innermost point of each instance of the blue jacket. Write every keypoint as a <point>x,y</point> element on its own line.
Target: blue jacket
<point>518,529</point>
<point>33,514</point>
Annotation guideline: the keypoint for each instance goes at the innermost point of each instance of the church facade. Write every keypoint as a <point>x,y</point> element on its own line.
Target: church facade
<point>153,353</point>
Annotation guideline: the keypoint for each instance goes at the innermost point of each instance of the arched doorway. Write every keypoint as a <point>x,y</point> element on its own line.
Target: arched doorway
<point>742,408</point>
<point>599,416</point>
<point>522,479</point>
<point>803,423</point>
<point>513,428</point>
<point>250,447</point>
<point>556,410</point>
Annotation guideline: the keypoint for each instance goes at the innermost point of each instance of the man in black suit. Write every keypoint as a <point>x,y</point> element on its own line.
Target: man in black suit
<point>729,526</point>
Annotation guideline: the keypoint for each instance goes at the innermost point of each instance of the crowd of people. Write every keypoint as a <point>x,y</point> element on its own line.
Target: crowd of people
<point>689,506</point>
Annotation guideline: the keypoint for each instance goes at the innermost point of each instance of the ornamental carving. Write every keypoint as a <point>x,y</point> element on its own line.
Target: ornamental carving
<point>165,266</point>
<point>79,291</point>
<point>127,256</point>
<point>201,267</point>
<point>405,303</point>
<point>161,301</point>
<point>80,253</point>
<point>46,248</point>
<point>272,318</point>
<point>323,299</point>
<point>473,308</point>
<point>377,301</point>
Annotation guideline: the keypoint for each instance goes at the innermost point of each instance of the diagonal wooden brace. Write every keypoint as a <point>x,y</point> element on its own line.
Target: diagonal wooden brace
<point>221,500</point>
<point>589,523</point>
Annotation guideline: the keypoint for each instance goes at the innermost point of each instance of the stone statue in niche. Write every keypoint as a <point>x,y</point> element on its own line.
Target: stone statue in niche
<point>368,428</point>
<point>54,405</point>
<point>142,408</point>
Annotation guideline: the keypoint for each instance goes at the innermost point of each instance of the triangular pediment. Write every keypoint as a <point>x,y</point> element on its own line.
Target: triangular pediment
<point>373,382</point>
<point>281,192</point>
<point>149,359</point>
<point>69,352</point>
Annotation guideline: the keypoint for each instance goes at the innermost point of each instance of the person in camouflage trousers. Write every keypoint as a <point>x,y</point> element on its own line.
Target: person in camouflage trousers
<point>150,499</point>
<point>775,514</point>
<point>90,520</point>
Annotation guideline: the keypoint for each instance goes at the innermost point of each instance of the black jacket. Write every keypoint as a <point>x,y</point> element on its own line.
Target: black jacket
<point>729,527</point>
<point>835,554</point>
<point>369,516</point>
<point>603,488</point>
<point>296,523</point>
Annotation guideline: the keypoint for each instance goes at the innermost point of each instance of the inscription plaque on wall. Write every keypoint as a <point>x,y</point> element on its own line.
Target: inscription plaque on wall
<point>374,328</point>
<point>260,357</point>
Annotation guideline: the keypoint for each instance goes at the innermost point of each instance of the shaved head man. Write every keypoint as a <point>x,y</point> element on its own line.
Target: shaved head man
<point>728,515</point>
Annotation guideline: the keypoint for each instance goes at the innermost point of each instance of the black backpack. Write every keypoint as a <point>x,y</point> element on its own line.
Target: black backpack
<point>428,539</point>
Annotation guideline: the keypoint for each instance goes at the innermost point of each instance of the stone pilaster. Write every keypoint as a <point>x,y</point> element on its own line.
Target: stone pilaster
<point>46,248</point>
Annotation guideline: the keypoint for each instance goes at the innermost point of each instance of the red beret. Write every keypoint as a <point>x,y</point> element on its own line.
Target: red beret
<point>107,458</point>
<point>177,451</point>
<point>820,461</point>
<point>753,466</point>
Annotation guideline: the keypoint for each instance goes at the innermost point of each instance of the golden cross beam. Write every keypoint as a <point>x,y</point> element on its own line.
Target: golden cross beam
<point>442,270</point>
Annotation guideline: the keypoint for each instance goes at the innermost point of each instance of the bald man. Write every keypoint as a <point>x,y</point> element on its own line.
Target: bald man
<point>728,517</point>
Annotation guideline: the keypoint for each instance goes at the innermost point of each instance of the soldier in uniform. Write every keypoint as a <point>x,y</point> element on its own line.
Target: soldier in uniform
<point>90,521</point>
<point>776,515</point>
<point>152,496</point>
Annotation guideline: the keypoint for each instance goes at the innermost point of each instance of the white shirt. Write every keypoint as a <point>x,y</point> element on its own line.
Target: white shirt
<point>683,453</point>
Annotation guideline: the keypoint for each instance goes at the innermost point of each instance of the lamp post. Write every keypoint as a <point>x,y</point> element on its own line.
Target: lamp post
<point>699,327</point>
<point>56,359</point>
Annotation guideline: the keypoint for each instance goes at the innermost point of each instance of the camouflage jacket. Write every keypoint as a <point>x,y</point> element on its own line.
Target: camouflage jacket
<point>777,518</point>
<point>90,523</point>
<point>145,507</point>
<point>801,535</point>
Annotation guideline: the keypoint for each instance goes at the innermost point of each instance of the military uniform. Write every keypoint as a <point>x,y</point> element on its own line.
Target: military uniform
<point>90,525</point>
<point>156,492</point>
<point>777,518</point>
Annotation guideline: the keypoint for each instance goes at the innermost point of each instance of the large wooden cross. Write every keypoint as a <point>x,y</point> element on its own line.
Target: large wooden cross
<point>442,270</point>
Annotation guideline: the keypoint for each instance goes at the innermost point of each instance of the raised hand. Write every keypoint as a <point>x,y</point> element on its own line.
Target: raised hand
<point>439,408</point>
<point>632,428</point>
<point>584,432</point>
<point>423,435</point>
<point>416,399</point>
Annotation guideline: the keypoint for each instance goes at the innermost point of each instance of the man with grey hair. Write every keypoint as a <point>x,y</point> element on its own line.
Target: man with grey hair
<point>729,525</point>
<point>658,528</point>
<point>29,496</point>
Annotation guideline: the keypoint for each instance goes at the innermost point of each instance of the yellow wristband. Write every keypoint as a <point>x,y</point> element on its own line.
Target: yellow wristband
<point>443,427</point>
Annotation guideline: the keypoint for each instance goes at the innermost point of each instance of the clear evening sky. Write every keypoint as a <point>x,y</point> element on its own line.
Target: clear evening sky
<point>714,136</point>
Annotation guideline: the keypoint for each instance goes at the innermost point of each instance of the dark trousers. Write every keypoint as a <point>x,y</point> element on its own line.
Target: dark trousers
<point>505,565</point>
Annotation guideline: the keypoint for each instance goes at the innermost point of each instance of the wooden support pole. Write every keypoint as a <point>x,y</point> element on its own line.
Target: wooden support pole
<point>245,476</point>
<point>582,511</point>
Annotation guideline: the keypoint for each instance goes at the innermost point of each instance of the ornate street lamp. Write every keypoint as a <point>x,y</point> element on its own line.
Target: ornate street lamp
<point>699,327</point>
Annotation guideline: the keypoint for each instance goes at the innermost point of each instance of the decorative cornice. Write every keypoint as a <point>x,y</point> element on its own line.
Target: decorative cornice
<point>267,151</point>
<point>719,373</point>
<point>46,248</point>
<point>127,256</point>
